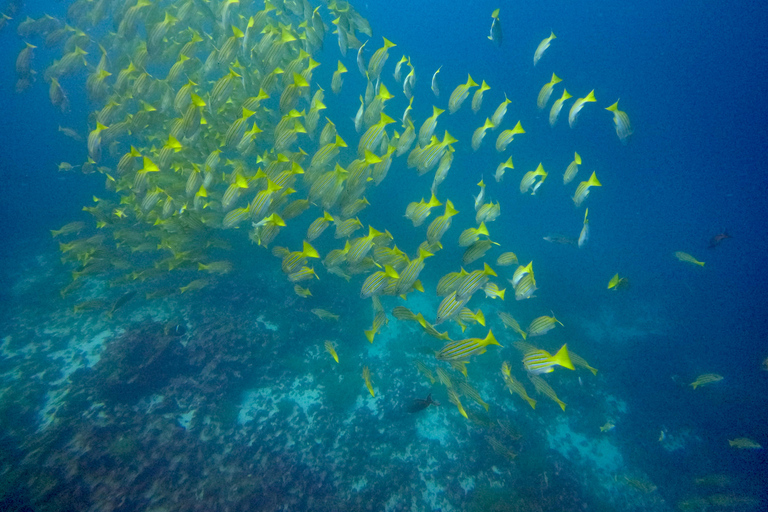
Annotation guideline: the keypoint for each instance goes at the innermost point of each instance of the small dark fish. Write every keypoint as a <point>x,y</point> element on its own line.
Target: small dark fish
<point>717,239</point>
<point>420,405</point>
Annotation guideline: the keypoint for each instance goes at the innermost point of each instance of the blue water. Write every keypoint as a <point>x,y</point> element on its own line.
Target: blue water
<point>691,79</point>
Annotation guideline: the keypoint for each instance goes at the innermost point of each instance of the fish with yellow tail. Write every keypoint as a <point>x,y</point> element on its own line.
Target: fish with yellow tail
<point>462,350</point>
<point>572,169</point>
<point>621,122</point>
<point>540,361</point>
<point>453,397</point>
<point>584,235</point>
<point>367,379</point>
<point>744,443</point>
<point>557,106</point>
<point>582,191</point>
<point>579,361</point>
<point>331,350</point>
<point>542,325</point>
<point>546,91</point>
<point>687,258</point>
<point>543,45</point>
<point>460,94</point>
<point>578,105</point>
<point>618,283</point>
<point>515,386</point>
<point>495,35</point>
<point>607,427</point>
<point>544,388</point>
<point>704,379</point>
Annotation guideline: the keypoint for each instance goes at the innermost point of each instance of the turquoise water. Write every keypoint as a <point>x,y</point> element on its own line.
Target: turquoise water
<point>225,398</point>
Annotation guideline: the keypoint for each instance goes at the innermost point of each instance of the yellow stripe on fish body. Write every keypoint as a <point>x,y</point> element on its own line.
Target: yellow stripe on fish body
<point>541,361</point>
<point>543,45</point>
<point>460,94</point>
<point>233,218</point>
<point>505,137</point>
<point>232,194</point>
<point>557,106</point>
<point>476,251</point>
<point>525,287</point>
<point>367,379</point>
<point>263,200</point>
<point>473,282</point>
<point>444,377</point>
<point>331,350</point>
<point>440,225</point>
<point>479,135</point>
<point>546,92</point>
<point>577,106</point>
<point>471,235</point>
<point>500,112</point>
<point>542,325</point>
<point>462,350</point>
<point>684,256</point>
<point>545,389</point>
<point>572,169</point>
<point>582,191</point>
<point>424,370</point>
<point>450,282</point>
<point>621,122</point>
<point>477,98</point>
<point>406,139</point>
<point>376,281</point>
<point>371,139</point>
<point>430,329</point>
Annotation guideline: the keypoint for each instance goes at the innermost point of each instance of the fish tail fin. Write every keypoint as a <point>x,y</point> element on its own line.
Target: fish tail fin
<point>370,334</point>
<point>562,358</point>
<point>531,402</point>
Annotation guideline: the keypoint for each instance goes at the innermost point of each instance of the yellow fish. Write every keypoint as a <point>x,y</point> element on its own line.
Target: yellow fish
<point>744,443</point>
<point>706,378</point>
<point>462,350</point>
<point>367,379</point>
<point>684,256</point>
<point>331,350</point>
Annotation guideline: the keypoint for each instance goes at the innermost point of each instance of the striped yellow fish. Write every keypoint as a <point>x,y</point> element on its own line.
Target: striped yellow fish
<point>541,361</point>
<point>545,389</point>
<point>468,390</point>
<point>453,397</point>
<point>460,94</point>
<point>684,256</point>
<point>515,386</point>
<point>542,325</point>
<point>462,350</point>
<point>572,169</point>
<point>579,361</point>
<point>367,379</point>
<point>331,350</point>
<point>706,378</point>
<point>621,122</point>
<point>557,106</point>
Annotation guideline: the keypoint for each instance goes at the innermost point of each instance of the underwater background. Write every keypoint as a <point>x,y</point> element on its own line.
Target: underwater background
<point>241,408</point>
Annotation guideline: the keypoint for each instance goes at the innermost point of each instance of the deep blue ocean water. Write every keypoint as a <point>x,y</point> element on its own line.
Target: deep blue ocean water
<point>691,78</point>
